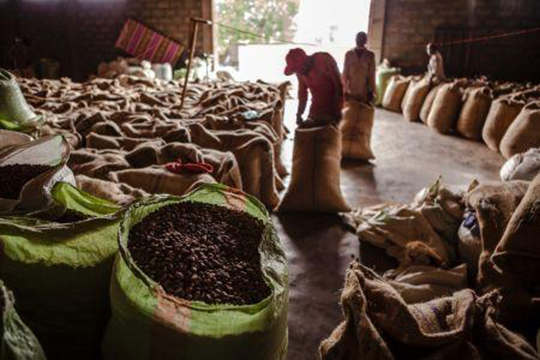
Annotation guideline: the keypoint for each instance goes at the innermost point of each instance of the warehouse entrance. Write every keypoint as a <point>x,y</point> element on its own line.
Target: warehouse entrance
<point>254,35</point>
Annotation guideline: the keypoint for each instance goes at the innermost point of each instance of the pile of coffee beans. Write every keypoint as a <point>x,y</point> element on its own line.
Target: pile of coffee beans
<point>202,252</point>
<point>14,177</point>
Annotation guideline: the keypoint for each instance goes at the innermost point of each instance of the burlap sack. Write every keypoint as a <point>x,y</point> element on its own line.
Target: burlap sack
<point>96,141</point>
<point>144,155</point>
<point>522,166</point>
<point>414,100</point>
<point>101,163</point>
<point>315,182</point>
<point>226,169</point>
<point>379,325</point>
<point>120,194</point>
<point>474,113</point>
<point>501,115</point>
<point>395,92</point>
<point>356,130</point>
<point>494,205</point>
<point>518,252</point>
<point>428,103</point>
<point>524,133</point>
<point>158,180</point>
<point>8,139</point>
<point>445,110</point>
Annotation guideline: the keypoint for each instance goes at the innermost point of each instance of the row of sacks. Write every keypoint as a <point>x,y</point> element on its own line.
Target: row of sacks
<point>504,116</point>
<point>87,300</point>
<point>466,285</point>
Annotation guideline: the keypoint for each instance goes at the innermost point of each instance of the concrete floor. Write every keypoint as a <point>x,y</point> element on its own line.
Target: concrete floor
<point>409,157</point>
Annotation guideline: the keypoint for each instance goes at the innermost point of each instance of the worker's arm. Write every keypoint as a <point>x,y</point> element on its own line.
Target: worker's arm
<point>302,99</point>
<point>372,84</point>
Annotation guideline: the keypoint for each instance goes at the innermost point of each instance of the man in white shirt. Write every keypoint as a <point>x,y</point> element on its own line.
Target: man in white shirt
<point>436,64</point>
<point>359,72</point>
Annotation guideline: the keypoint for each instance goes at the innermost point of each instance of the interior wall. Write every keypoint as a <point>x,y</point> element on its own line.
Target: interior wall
<point>81,33</point>
<point>410,24</point>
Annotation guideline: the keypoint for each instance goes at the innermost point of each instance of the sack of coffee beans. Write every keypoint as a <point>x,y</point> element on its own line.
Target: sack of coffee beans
<point>428,103</point>
<point>414,99</point>
<point>29,171</point>
<point>203,276</point>
<point>474,113</point>
<point>17,342</point>
<point>524,133</point>
<point>316,172</point>
<point>444,113</point>
<point>60,272</point>
<point>501,115</point>
<point>15,113</point>
<point>395,92</point>
<point>356,131</point>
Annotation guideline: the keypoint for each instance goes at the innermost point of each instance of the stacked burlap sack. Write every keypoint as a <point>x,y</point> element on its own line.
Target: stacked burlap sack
<point>467,283</point>
<point>118,128</point>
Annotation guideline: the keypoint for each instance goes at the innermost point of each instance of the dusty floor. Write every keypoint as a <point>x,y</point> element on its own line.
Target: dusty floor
<point>409,157</point>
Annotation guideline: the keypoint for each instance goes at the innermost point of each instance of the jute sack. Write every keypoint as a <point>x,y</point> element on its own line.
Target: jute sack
<point>120,194</point>
<point>60,273</point>
<point>518,252</point>
<point>522,166</point>
<point>524,133</point>
<point>382,79</point>
<point>445,110</point>
<point>494,205</point>
<point>100,163</point>
<point>474,113</point>
<point>158,180</point>
<point>226,169</point>
<point>8,139</point>
<point>17,342</point>
<point>428,103</point>
<point>315,182</point>
<point>501,115</point>
<point>395,92</point>
<point>147,323</point>
<point>356,130</point>
<point>379,325</point>
<point>417,93</point>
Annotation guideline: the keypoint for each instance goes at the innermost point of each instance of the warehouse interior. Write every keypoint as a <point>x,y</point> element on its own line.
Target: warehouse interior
<point>269,179</point>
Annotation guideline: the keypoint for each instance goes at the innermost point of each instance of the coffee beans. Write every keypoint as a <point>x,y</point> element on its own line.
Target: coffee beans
<point>14,177</point>
<point>202,252</point>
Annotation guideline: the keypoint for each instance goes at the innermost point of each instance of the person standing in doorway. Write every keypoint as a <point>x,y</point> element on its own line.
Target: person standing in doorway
<point>318,74</point>
<point>436,65</point>
<point>359,72</point>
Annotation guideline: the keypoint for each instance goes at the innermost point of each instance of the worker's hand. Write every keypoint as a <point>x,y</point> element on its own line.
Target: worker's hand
<point>299,119</point>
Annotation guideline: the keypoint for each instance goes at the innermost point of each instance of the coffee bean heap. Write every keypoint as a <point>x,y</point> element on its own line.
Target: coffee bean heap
<point>202,252</point>
<point>14,177</point>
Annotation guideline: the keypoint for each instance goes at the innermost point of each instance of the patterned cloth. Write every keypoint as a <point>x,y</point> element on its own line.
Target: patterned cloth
<point>144,43</point>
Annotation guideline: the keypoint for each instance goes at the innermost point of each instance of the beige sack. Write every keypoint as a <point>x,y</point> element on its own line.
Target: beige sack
<point>395,92</point>
<point>417,93</point>
<point>428,103</point>
<point>356,130</point>
<point>494,204</point>
<point>120,194</point>
<point>158,180</point>
<point>524,133</point>
<point>474,113</point>
<point>445,111</point>
<point>501,115</point>
<point>316,172</point>
<point>518,252</point>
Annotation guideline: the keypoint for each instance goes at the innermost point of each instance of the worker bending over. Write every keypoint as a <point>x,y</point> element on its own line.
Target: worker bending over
<point>436,65</point>
<point>359,72</point>
<point>319,74</point>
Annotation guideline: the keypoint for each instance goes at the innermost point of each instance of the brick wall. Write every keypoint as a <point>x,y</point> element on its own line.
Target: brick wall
<point>80,33</point>
<point>410,24</point>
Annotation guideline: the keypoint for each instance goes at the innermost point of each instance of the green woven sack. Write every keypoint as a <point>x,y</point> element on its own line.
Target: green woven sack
<point>149,324</point>
<point>17,342</point>
<point>60,273</point>
<point>382,79</point>
<point>15,113</point>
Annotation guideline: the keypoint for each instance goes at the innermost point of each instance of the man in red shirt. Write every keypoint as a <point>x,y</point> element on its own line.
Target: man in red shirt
<point>320,74</point>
